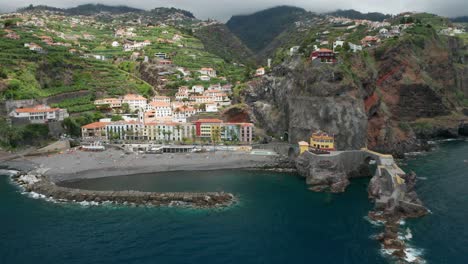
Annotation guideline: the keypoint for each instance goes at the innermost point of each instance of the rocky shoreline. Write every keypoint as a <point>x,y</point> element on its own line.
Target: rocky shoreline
<point>391,189</point>
<point>34,182</point>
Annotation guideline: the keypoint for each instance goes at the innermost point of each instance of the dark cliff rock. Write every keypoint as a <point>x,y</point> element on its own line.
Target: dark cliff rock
<point>301,98</point>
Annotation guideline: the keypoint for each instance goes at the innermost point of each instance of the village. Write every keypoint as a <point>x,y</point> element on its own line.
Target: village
<point>187,100</point>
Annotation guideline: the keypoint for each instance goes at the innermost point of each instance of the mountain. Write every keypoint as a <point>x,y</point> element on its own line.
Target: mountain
<point>219,40</point>
<point>259,29</point>
<point>32,8</point>
<point>163,11</point>
<point>86,9</point>
<point>353,14</point>
<point>90,9</point>
<point>462,19</point>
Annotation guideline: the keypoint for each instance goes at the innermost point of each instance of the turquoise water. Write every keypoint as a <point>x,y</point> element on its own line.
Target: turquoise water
<point>277,220</point>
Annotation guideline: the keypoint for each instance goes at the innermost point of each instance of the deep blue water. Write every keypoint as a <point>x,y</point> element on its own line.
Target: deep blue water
<point>276,221</point>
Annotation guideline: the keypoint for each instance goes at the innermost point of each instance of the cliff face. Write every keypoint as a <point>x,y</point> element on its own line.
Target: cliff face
<point>301,98</point>
<point>387,98</point>
<point>416,94</point>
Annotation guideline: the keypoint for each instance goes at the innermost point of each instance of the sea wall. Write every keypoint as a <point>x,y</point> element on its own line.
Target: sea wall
<point>41,185</point>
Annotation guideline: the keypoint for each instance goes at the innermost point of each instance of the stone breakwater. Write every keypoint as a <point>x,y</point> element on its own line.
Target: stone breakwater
<point>390,188</point>
<point>34,183</point>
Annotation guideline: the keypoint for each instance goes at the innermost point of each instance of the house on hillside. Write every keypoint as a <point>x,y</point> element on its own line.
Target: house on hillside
<point>260,72</point>
<point>162,109</point>
<point>161,99</point>
<point>354,47</point>
<point>370,41</point>
<point>161,55</point>
<point>205,78</point>
<point>323,55</point>
<point>34,47</point>
<point>165,62</point>
<point>39,114</point>
<point>338,43</point>
<point>115,44</point>
<point>134,101</point>
<point>293,50</point>
<point>197,89</point>
<point>11,34</point>
<point>208,71</point>
<point>94,131</point>
<point>109,102</point>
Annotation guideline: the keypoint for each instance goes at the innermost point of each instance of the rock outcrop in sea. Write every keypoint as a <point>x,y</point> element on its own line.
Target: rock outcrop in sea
<point>390,188</point>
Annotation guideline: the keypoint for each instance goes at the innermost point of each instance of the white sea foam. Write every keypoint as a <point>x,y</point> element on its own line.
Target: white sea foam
<point>414,255</point>
<point>408,235</point>
<point>85,203</point>
<point>402,222</point>
<point>9,173</point>
<point>35,195</point>
<point>415,153</point>
<point>374,222</point>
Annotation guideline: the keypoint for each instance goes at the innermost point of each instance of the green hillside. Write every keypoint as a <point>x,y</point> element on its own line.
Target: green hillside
<point>259,29</point>
<point>353,14</point>
<point>219,40</point>
<point>26,74</point>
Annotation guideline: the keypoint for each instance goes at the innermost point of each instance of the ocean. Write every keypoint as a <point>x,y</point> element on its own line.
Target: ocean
<point>276,220</point>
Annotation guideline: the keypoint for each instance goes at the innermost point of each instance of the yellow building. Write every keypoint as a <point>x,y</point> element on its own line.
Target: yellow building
<point>303,147</point>
<point>323,141</point>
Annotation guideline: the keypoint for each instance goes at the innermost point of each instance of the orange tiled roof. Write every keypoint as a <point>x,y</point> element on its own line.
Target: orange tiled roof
<point>160,104</point>
<point>212,120</point>
<point>324,50</point>
<point>133,97</point>
<point>95,125</point>
<point>36,109</point>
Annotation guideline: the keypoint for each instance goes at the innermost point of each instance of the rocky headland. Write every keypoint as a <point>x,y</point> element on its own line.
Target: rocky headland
<point>390,188</point>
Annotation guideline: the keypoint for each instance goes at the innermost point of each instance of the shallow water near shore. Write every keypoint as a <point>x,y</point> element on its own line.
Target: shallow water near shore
<point>277,220</point>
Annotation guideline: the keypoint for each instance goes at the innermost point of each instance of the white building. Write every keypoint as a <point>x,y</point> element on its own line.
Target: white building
<point>205,78</point>
<point>208,71</point>
<point>115,44</point>
<point>260,72</point>
<point>40,114</point>
<point>211,108</point>
<point>135,101</point>
<point>294,50</point>
<point>338,43</point>
<point>162,109</point>
<point>162,99</point>
<point>354,47</point>
<point>197,89</point>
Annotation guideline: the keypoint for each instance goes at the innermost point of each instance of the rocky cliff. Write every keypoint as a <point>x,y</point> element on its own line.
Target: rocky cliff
<point>390,98</point>
<point>299,98</point>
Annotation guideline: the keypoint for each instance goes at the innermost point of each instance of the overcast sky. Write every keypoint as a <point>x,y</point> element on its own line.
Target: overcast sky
<point>224,9</point>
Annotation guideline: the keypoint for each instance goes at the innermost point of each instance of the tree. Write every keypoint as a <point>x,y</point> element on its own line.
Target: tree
<point>202,107</point>
<point>125,108</point>
<point>178,128</point>
<point>346,46</point>
<point>194,136</point>
<point>216,135</point>
<point>72,127</point>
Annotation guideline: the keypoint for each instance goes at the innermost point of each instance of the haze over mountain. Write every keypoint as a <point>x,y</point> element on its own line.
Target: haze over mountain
<point>224,9</point>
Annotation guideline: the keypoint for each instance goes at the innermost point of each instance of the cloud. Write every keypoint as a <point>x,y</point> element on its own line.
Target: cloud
<point>224,9</point>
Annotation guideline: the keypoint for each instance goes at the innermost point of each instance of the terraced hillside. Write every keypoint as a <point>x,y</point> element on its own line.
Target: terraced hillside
<point>67,72</point>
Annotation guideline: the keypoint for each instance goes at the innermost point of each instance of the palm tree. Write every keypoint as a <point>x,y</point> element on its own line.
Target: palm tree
<point>178,128</point>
